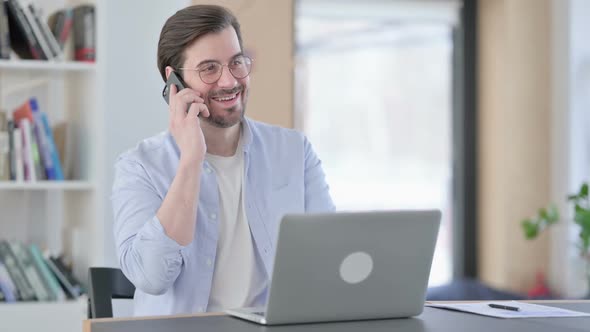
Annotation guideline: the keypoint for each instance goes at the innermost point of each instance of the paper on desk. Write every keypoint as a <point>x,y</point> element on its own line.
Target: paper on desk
<point>527,310</point>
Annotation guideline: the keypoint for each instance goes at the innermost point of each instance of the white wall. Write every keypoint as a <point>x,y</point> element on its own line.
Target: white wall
<point>134,108</point>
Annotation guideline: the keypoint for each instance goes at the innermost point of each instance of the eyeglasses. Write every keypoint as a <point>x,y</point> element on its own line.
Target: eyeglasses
<point>210,72</point>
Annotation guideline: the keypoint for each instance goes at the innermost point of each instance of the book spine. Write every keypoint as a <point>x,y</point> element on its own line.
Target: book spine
<point>18,155</point>
<point>46,51</point>
<point>4,33</point>
<point>56,163</point>
<point>4,148</point>
<point>50,278</point>
<point>47,35</point>
<point>17,12</point>
<point>28,161</point>
<point>25,291</point>
<point>4,156</point>
<point>10,291</point>
<point>66,26</point>
<point>42,142</point>
<point>71,291</point>
<point>11,150</point>
<point>26,264</point>
<point>37,163</point>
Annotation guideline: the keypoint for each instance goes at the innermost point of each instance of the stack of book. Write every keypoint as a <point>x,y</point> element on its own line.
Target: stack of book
<point>27,145</point>
<point>26,274</point>
<point>23,30</point>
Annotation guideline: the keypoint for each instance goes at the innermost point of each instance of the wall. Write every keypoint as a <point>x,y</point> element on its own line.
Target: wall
<point>267,32</point>
<point>514,141</point>
<point>134,108</point>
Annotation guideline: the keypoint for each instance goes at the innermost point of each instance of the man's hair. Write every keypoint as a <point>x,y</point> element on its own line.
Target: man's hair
<point>188,25</point>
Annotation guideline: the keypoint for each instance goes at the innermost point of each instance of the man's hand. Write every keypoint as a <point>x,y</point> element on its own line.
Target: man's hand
<point>186,127</point>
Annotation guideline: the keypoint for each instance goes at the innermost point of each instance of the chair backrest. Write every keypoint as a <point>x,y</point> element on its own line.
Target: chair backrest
<point>105,284</point>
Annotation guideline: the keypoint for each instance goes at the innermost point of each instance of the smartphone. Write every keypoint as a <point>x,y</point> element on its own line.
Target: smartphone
<point>175,79</point>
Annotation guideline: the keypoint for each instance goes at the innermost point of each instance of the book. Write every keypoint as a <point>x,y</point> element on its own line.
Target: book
<point>42,141</point>
<point>60,23</point>
<point>53,152</point>
<point>4,33</point>
<point>22,112</point>
<point>84,39</point>
<point>28,160</point>
<point>67,280</point>
<point>36,29</point>
<point>4,148</point>
<point>33,275</point>
<point>61,134</point>
<point>51,280</point>
<point>11,165</point>
<point>22,39</point>
<point>24,289</point>
<point>17,155</point>
<point>7,286</point>
<point>45,31</point>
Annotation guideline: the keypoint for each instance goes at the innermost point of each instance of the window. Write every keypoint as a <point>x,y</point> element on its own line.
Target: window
<point>374,96</point>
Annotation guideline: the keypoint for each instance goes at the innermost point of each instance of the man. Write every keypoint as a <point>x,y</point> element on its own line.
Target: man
<point>197,208</point>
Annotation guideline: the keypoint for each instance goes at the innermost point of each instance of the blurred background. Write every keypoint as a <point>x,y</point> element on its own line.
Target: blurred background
<point>475,107</point>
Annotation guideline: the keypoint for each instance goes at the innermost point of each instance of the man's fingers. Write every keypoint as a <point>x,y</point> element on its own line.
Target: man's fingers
<point>204,110</point>
<point>189,96</point>
<point>197,109</point>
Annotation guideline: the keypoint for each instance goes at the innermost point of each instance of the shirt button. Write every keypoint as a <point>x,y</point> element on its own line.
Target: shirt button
<point>201,309</point>
<point>209,262</point>
<point>213,216</point>
<point>207,169</point>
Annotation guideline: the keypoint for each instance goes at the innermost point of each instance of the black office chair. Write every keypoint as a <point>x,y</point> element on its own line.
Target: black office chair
<point>105,284</point>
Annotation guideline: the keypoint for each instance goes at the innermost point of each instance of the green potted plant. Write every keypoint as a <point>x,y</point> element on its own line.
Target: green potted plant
<point>548,216</point>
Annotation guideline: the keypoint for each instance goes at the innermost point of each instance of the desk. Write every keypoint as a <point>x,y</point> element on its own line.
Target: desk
<point>431,320</point>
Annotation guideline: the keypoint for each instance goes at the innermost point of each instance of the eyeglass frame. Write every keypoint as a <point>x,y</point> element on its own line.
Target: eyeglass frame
<point>221,71</point>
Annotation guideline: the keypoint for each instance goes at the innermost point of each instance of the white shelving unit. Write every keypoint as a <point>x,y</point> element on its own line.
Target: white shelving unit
<point>110,105</point>
<point>48,185</point>
<point>61,216</point>
<point>54,66</point>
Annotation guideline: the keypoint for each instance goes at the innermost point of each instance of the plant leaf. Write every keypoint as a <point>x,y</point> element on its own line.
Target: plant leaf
<point>531,229</point>
<point>552,214</point>
<point>584,190</point>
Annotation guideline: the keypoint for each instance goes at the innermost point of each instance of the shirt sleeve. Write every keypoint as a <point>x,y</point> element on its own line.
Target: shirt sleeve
<point>148,257</point>
<point>317,191</point>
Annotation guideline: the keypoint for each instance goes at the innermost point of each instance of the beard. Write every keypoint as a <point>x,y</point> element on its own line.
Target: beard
<point>227,117</point>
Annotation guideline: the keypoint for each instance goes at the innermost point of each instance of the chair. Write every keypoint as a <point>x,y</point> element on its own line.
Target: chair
<point>105,284</point>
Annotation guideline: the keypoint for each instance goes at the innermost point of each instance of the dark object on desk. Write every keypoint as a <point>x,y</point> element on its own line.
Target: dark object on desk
<point>105,284</point>
<point>503,307</point>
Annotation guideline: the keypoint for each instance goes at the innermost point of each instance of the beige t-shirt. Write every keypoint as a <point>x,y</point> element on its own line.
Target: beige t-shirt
<point>236,280</point>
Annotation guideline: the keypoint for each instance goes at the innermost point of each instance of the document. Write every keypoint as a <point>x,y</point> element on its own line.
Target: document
<point>509,309</point>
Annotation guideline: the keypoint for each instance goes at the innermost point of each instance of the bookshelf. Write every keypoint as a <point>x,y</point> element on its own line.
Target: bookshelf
<point>107,115</point>
<point>60,216</point>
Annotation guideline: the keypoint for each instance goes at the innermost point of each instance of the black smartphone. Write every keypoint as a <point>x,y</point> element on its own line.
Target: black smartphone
<point>175,79</point>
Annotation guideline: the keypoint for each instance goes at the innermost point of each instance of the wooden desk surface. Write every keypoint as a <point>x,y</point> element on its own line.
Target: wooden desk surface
<point>89,323</point>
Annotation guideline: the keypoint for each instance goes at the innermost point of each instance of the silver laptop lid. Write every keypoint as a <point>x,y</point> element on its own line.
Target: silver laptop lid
<point>348,266</point>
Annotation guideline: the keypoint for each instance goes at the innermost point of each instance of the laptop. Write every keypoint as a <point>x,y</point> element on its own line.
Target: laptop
<point>349,266</point>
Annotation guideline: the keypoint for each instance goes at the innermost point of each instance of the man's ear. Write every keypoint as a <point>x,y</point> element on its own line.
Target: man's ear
<point>168,71</point>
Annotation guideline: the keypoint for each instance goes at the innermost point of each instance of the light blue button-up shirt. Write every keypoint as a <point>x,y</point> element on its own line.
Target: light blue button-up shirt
<point>282,175</point>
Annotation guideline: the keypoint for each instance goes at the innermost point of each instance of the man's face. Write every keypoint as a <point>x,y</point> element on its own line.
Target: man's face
<point>226,98</point>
